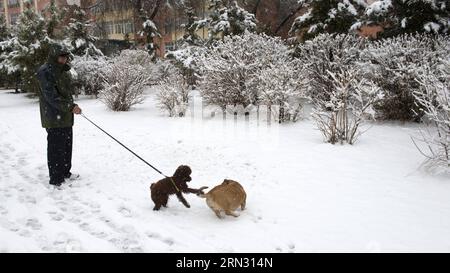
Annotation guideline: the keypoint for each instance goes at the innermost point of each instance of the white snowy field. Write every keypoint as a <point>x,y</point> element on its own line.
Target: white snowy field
<point>303,195</point>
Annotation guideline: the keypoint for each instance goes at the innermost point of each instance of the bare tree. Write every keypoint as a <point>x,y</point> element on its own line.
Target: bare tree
<point>125,80</point>
<point>433,98</point>
<point>173,95</point>
<point>349,102</point>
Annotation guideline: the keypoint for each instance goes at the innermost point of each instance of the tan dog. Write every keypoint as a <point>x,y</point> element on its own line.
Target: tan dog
<point>226,197</point>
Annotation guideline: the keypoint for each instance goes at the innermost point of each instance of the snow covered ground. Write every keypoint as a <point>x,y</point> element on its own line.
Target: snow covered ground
<point>303,194</point>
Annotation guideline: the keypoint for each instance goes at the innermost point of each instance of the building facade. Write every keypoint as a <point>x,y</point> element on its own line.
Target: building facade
<point>118,25</point>
<point>11,9</point>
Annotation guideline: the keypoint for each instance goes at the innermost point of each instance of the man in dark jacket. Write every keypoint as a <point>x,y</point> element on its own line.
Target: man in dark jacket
<point>57,113</point>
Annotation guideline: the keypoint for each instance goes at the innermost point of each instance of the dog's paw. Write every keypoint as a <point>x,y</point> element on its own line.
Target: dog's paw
<point>200,191</point>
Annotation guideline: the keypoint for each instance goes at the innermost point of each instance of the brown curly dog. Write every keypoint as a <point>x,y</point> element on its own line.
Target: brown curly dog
<point>161,190</point>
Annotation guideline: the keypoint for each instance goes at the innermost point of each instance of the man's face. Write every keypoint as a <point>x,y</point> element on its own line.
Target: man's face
<point>62,59</point>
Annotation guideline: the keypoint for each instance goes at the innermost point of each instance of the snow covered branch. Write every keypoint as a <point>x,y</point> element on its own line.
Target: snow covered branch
<point>248,70</point>
<point>340,114</point>
<point>173,95</point>
<point>125,80</point>
<point>433,98</point>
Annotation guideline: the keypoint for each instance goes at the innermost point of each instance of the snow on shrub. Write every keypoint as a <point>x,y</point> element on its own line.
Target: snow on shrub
<point>185,59</point>
<point>227,18</point>
<point>135,57</point>
<point>152,68</point>
<point>393,64</point>
<point>79,38</point>
<point>279,88</point>
<point>173,95</point>
<point>125,80</point>
<point>163,71</point>
<point>348,103</point>
<point>433,99</point>
<point>231,71</point>
<point>90,72</point>
<point>324,54</point>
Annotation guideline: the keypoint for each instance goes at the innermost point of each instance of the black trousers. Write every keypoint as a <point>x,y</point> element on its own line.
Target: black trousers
<point>59,153</point>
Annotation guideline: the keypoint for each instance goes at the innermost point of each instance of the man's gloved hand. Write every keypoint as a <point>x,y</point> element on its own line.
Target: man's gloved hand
<point>76,110</point>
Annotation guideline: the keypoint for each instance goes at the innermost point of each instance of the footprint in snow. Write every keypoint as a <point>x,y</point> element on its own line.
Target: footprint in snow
<point>34,224</point>
<point>125,212</point>
<point>126,245</point>
<point>78,210</point>
<point>25,233</point>
<point>156,236</point>
<point>3,211</point>
<point>21,160</point>
<point>11,226</point>
<point>74,220</point>
<point>152,235</point>
<point>72,246</point>
<point>5,156</point>
<point>9,147</point>
<point>87,228</point>
<point>41,177</point>
<point>55,216</point>
<point>95,208</point>
<point>108,222</point>
<point>27,199</point>
<point>168,241</point>
<point>291,247</point>
<point>99,234</point>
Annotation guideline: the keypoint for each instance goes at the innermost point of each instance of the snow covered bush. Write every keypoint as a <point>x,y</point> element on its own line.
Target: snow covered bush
<point>348,103</point>
<point>150,32</point>
<point>395,17</point>
<point>125,79</point>
<point>78,34</point>
<point>409,16</point>
<point>134,57</point>
<point>393,65</point>
<point>6,79</point>
<point>27,48</point>
<point>173,95</point>
<point>123,87</point>
<point>90,72</point>
<point>192,46</point>
<point>279,90</point>
<point>164,69</point>
<point>192,26</point>
<point>186,59</point>
<point>228,18</point>
<point>433,99</point>
<point>153,69</point>
<point>231,70</point>
<point>324,54</point>
<point>325,16</point>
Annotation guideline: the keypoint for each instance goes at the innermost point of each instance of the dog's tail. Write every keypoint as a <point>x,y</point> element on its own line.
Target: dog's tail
<point>201,194</point>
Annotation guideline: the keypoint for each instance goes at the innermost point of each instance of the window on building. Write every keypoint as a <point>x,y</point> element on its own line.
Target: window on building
<point>13,17</point>
<point>109,28</point>
<point>168,26</point>
<point>118,27</point>
<point>13,3</point>
<point>128,27</point>
<point>170,46</point>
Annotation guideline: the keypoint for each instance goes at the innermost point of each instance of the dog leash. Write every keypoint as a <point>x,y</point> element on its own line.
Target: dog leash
<point>135,154</point>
